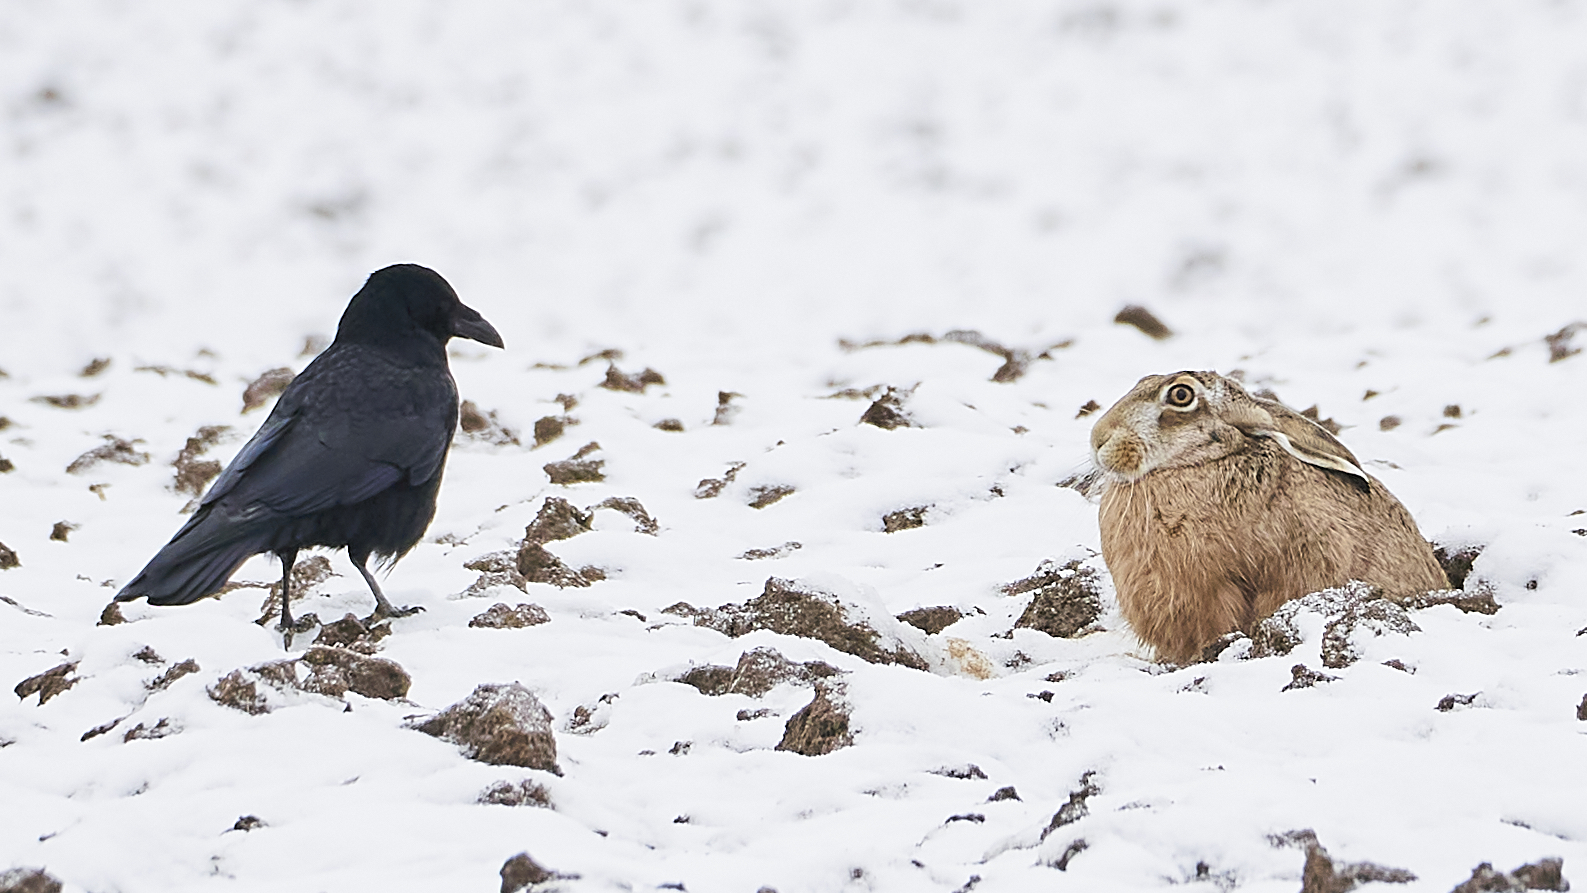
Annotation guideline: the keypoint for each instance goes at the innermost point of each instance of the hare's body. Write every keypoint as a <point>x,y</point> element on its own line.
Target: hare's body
<point>1218,511</point>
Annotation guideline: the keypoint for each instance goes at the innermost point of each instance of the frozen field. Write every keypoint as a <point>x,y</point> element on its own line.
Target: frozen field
<point>759,202</point>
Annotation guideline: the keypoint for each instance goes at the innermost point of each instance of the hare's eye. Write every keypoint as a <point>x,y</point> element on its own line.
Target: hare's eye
<point>1180,396</point>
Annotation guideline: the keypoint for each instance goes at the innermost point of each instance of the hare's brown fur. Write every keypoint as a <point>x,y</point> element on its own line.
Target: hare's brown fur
<point>1225,524</point>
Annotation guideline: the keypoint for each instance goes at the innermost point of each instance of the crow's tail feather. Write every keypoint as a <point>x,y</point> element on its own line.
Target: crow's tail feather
<point>191,566</point>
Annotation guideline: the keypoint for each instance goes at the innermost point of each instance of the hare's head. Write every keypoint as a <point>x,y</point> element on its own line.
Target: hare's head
<point>1190,418</point>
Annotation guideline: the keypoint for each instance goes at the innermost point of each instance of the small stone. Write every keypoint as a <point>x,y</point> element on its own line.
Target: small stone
<point>1389,423</point>
<point>504,725</point>
<point>351,633</point>
<point>247,823</point>
<point>1004,793</point>
<point>1088,408</point>
<point>8,558</point>
<point>1456,560</point>
<point>668,425</point>
<point>111,615</point>
<point>1448,703</point>
<point>710,488</point>
<point>61,531</point>
<point>193,473</point>
<point>549,428</point>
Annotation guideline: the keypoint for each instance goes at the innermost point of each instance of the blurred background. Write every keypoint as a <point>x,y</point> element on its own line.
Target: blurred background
<point>775,175</point>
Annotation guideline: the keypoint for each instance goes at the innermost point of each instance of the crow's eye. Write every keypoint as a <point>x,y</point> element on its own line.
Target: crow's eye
<point>1180,396</point>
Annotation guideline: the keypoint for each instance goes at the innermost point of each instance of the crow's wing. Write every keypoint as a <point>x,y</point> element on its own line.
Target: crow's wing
<point>345,430</point>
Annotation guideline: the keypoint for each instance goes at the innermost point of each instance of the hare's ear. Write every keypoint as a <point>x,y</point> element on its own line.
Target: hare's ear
<point>1307,441</point>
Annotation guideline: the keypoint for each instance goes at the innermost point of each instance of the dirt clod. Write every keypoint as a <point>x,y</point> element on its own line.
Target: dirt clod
<point>888,412</point>
<point>1302,677</point>
<point>8,558</point>
<point>1389,423</point>
<point>161,729</point>
<point>111,615</point>
<point>1004,793</point>
<point>1076,809</point>
<point>710,488</point>
<point>193,473</point>
<point>48,684</point>
<point>504,725</point>
<point>524,793</point>
<point>932,620</point>
<point>499,616</point>
<point>758,671</point>
<point>173,673</point>
<point>760,497</point>
<point>821,726</point>
<point>267,385</point>
<point>1322,874</point>
<point>114,449</point>
<point>1544,874</point>
<point>791,609</point>
<point>247,823</point>
<point>1088,408</point>
<point>28,880</point>
<point>1560,346</point>
<point>725,410</point>
<point>549,428</point>
<point>631,507</point>
<point>68,401</point>
<point>1449,702</point>
<point>484,426</point>
<point>351,633</point>
<point>776,552</point>
<point>336,671</point>
<point>1456,560</point>
<point>673,425</point>
<point>616,380</point>
<point>61,531</point>
<point>557,519</point>
<point>579,469</point>
<point>1143,319</point>
<point>904,519</point>
<point>307,575</point>
<point>537,565</point>
<point>521,872</point>
<point>1068,598</point>
<point>1350,612</point>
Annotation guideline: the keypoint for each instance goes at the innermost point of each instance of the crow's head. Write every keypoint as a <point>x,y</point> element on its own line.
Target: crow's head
<point>406,300</point>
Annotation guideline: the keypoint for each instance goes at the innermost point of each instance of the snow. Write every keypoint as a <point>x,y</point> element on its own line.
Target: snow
<point>1333,197</point>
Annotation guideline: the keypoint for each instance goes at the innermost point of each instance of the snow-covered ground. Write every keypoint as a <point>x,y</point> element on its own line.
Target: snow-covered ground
<point>1338,197</point>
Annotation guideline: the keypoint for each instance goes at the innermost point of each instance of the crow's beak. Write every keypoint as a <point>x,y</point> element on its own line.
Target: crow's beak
<point>467,323</point>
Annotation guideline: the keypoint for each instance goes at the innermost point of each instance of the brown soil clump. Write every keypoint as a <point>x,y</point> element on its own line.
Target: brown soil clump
<point>499,616</point>
<point>114,449</point>
<point>758,671</point>
<point>579,469</point>
<point>888,412</point>
<point>28,880</point>
<point>904,519</point>
<point>504,725</point>
<point>932,620</point>
<point>821,726</point>
<point>788,608</point>
<point>616,380</point>
<point>1143,319</point>
<point>484,426</point>
<point>262,389</point>
<point>48,684</point>
<point>524,793</point>
<point>1068,599</point>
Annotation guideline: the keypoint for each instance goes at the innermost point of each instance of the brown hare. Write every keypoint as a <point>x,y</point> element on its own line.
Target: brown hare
<point>1219,507</point>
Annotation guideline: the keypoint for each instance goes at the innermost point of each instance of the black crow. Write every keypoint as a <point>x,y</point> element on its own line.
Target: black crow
<point>350,456</point>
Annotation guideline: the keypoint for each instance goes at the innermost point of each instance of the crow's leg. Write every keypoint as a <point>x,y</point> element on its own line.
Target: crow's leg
<point>288,557</point>
<point>383,608</point>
